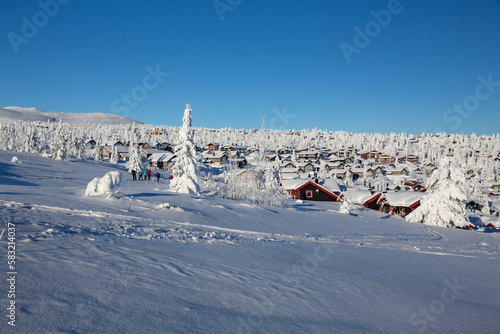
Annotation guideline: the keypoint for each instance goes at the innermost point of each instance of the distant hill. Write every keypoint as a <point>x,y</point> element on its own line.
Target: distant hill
<point>34,114</point>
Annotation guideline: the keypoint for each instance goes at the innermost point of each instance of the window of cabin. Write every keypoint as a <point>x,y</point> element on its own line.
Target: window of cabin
<point>309,194</point>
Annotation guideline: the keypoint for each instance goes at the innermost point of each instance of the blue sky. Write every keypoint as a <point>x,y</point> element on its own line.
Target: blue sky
<point>424,66</point>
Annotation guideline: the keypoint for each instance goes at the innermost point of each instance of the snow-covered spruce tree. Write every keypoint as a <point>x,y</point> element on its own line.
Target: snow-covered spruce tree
<point>114,155</point>
<point>345,207</point>
<point>58,144</point>
<point>185,179</point>
<point>134,161</point>
<point>270,193</point>
<point>323,173</point>
<point>444,203</point>
<point>97,151</point>
<point>29,139</point>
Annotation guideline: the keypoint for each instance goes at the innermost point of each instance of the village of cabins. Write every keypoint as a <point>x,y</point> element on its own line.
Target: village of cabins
<point>391,184</point>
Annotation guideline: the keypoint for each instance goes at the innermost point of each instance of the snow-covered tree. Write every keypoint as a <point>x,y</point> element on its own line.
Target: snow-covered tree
<point>345,207</point>
<point>323,172</point>
<point>97,151</point>
<point>444,203</point>
<point>134,158</point>
<point>270,190</point>
<point>114,155</point>
<point>185,179</point>
<point>58,143</point>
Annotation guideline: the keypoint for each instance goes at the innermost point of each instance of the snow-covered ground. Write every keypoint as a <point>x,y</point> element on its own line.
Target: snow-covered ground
<point>152,261</point>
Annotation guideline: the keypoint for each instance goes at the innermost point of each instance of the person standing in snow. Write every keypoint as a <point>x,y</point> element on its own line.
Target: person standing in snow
<point>134,175</point>
<point>157,177</point>
<point>145,175</point>
<point>140,175</point>
<point>149,174</point>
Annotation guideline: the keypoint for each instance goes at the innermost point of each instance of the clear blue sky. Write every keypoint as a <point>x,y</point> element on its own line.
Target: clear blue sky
<point>282,59</point>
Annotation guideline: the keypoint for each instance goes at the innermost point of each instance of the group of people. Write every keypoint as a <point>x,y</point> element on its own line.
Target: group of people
<point>146,175</point>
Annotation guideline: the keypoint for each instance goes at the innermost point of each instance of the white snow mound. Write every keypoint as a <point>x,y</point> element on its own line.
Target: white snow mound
<point>104,185</point>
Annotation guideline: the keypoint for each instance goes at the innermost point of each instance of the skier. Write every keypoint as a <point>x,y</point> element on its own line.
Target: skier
<point>157,177</point>
<point>145,175</point>
<point>171,176</point>
<point>140,175</point>
<point>149,174</point>
<point>134,175</point>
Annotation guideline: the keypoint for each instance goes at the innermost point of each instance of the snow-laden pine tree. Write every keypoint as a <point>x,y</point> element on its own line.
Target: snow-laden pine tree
<point>134,161</point>
<point>58,143</point>
<point>444,203</point>
<point>270,192</point>
<point>114,155</point>
<point>29,139</point>
<point>185,179</point>
<point>97,150</point>
<point>323,172</point>
<point>345,207</point>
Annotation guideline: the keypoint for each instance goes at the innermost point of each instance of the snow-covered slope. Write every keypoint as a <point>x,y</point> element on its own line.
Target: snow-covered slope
<point>34,114</point>
<point>153,261</point>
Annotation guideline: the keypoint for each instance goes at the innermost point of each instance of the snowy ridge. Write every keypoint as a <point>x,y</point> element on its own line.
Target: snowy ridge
<point>34,114</point>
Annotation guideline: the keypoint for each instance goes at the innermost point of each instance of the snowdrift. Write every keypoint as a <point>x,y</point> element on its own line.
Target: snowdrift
<point>104,185</point>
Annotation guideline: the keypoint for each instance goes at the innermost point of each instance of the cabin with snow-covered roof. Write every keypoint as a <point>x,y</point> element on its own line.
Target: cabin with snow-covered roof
<point>163,160</point>
<point>366,198</point>
<point>400,203</point>
<point>409,158</point>
<point>308,189</point>
<point>385,158</point>
<point>215,157</point>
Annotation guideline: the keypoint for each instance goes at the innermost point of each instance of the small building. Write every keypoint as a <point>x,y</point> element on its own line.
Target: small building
<point>305,166</point>
<point>91,144</point>
<point>163,160</point>
<point>156,131</point>
<point>287,164</point>
<point>307,189</point>
<point>400,203</point>
<point>385,158</point>
<point>215,157</point>
<point>147,152</point>
<point>240,162</point>
<point>409,158</point>
<point>366,198</point>
<point>419,187</point>
<point>289,173</point>
<point>212,147</point>
<point>107,150</point>
<point>370,155</point>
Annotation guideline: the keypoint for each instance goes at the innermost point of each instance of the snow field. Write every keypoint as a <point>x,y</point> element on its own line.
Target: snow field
<point>154,261</point>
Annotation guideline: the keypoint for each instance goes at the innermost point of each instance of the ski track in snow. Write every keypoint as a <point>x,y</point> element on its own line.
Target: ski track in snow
<point>132,226</point>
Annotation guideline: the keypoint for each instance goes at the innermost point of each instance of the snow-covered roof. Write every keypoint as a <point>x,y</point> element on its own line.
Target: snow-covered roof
<point>293,183</point>
<point>213,154</point>
<point>330,185</point>
<point>151,150</point>
<point>403,198</point>
<point>119,148</point>
<point>161,157</point>
<point>359,196</point>
<point>289,170</point>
